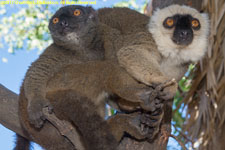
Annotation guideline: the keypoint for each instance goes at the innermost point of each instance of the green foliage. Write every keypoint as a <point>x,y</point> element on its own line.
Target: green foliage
<point>134,4</point>
<point>28,28</point>
<point>179,109</point>
<point>178,106</point>
<point>178,119</point>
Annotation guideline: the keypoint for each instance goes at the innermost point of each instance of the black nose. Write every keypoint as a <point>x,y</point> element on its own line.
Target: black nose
<point>64,23</point>
<point>183,34</point>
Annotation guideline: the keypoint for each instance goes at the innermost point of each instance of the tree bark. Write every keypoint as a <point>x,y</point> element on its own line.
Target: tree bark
<point>9,119</point>
<point>9,110</point>
<point>208,89</point>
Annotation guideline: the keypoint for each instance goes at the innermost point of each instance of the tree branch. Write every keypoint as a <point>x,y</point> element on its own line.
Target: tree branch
<point>9,119</point>
<point>9,110</point>
<point>65,128</point>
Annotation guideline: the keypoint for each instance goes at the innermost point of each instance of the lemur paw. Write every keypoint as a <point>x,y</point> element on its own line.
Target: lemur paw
<point>152,120</point>
<point>167,90</point>
<point>145,125</point>
<point>35,114</point>
<point>136,128</point>
<point>150,102</point>
<point>153,98</point>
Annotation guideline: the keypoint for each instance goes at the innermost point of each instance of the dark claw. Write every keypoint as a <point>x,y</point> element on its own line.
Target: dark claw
<point>142,127</point>
<point>42,117</point>
<point>39,124</point>
<point>151,130</point>
<point>163,91</point>
<point>147,115</point>
<point>158,101</point>
<point>159,106</point>
<point>152,99</point>
<point>156,113</point>
<point>146,125</point>
<point>50,109</point>
<point>153,133</point>
<point>146,129</point>
<point>167,97</point>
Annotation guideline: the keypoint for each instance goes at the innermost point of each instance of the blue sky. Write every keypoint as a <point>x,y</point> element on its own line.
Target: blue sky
<point>13,71</point>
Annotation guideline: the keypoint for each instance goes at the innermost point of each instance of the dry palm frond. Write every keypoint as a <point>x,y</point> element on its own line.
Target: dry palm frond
<point>206,99</point>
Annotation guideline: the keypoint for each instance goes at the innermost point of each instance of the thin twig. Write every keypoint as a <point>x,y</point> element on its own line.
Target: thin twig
<point>183,135</point>
<point>181,144</point>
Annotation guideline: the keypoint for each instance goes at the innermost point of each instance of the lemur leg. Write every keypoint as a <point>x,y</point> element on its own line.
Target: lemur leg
<point>126,87</point>
<point>153,121</point>
<point>138,125</point>
<point>82,112</point>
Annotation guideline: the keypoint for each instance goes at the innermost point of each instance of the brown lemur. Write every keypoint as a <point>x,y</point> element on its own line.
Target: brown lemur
<point>69,28</point>
<point>138,49</point>
<point>166,44</point>
<point>73,30</point>
<point>170,49</point>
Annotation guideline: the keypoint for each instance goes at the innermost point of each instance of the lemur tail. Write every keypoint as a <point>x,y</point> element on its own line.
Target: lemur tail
<point>22,143</point>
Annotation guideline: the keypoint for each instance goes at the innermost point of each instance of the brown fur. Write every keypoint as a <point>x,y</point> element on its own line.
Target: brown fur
<point>74,43</point>
<point>138,52</point>
<point>47,136</point>
<point>95,80</point>
<point>52,60</point>
<point>89,80</point>
<point>95,138</point>
<point>133,46</point>
<point>33,91</point>
<point>123,19</point>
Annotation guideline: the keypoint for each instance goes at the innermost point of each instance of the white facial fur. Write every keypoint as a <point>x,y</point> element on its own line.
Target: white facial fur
<point>194,51</point>
<point>73,38</point>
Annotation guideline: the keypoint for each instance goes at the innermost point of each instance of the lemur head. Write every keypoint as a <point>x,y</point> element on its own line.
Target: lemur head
<point>180,32</point>
<point>70,24</point>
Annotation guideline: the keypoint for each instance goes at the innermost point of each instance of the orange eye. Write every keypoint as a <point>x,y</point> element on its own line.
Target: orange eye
<point>55,20</point>
<point>195,23</point>
<point>170,22</point>
<point>77,12</point>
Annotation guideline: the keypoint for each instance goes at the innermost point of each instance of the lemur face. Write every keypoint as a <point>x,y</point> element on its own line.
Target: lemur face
<point>180,32</point>
<point>70,23</point>
<point>183,27</point>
